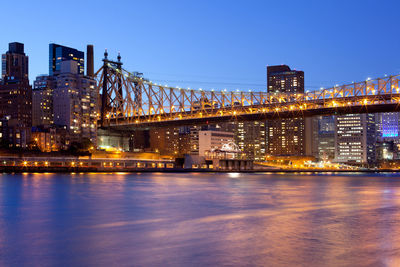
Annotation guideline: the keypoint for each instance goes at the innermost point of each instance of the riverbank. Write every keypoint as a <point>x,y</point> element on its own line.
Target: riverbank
<point>69,169</point>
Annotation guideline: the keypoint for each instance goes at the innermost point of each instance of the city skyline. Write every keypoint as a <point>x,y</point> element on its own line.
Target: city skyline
<point>186,51</point>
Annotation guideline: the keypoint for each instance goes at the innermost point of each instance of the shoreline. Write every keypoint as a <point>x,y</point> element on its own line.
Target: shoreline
<point>31,169</point>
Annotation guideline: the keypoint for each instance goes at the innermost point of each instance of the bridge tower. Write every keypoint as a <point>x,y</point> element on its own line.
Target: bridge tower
<point>107,95</point>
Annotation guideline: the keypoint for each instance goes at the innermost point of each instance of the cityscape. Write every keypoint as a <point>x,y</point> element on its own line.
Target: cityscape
<point>200,133</point>
<point>63,112</point>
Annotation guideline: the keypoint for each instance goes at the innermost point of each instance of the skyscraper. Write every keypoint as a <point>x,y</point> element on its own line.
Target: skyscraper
<point>387,135</point>
<point>14,64</point>
<point>355,139</point>
<point>285,136</point>
<point>42,100</point>
<point>281,79</point>
<point>74,102</point>
<point>59,53</point>
<point>323,141</point>
<point>387,125</point>
<point>15,97</point>
<point>250,136</point>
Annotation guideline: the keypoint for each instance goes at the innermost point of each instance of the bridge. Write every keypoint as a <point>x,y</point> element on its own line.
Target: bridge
<point>129,100</point>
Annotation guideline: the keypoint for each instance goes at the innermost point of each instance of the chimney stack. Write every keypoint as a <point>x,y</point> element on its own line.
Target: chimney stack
<point>89,61</point>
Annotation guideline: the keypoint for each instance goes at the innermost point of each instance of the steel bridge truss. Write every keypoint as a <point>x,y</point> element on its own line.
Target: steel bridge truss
<point>128,99</point>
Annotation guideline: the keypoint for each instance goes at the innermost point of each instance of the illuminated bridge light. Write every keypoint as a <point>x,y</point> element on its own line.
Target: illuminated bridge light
<point>190,104</point>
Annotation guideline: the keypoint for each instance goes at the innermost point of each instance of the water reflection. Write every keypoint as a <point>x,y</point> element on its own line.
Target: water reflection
<point>200,219</point>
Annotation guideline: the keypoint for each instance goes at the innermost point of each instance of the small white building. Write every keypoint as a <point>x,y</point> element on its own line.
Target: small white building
<point>211,140</point>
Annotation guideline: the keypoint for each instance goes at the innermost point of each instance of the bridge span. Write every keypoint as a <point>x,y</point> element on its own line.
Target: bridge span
<point>130,101</point>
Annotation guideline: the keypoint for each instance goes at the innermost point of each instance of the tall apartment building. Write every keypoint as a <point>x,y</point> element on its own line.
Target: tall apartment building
<point>15,97</point>
<point>250,136</point>
<point>59,53</point>
<point>42,100</point>
<point>172,141</point>
<point>355,139</point>
<point>285,136</point>
<point>74,102</point>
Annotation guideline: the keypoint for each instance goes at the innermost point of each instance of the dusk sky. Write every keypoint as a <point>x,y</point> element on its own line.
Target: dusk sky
<point>216,44</point>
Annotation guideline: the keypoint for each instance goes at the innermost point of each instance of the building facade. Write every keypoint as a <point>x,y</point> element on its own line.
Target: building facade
<point>59,53</point>
<point>285,136</point>
<point>355,139</point>
<point>42,100</point>
<point>75,102</point>
<point>15,64</point>
<point>388,136</point>
<point>51,138</point>
<point>250,136</point>
<point>212,139</point>
<point>323,141</point>
<point>15,97</point>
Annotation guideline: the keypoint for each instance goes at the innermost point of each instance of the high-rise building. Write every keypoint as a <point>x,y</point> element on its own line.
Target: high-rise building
<point>15,92</point>
<point>250,136</point>
<point>282,79</point>
<point>16,102</point>
<point>59,53</point>
<point>15,97</point>
<point>355,138</point>
<point>165,140</point>
<point>14,64</point>
<point>323,141</point>
<point>388,136</point>
<point>387,125</point>
<point>42,100</point>
<point>285,136</point>
<point>75,102</point>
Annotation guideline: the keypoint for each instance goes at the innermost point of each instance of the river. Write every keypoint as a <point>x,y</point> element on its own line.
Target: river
<point>200,219</point>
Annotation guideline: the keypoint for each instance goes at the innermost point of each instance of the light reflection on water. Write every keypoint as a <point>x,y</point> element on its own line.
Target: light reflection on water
<point>169,219</point>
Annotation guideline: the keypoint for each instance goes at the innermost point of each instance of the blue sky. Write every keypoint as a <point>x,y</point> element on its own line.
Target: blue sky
<point>216,44</point>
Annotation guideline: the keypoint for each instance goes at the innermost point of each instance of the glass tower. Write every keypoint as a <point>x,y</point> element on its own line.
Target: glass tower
<point>59,53</point>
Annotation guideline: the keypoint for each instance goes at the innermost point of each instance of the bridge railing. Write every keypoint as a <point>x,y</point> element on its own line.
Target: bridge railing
<point>132,99</point>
